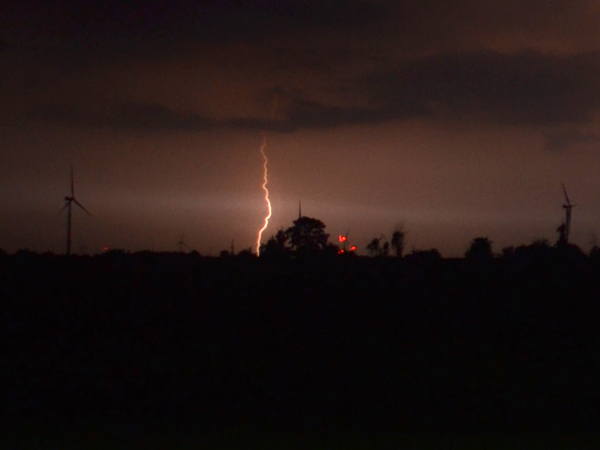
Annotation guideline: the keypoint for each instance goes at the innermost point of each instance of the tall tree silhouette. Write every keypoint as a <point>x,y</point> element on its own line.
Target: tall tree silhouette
<point>374,247</point>
<point>307,235</point>
<point>480,250</point>
<point>276,247</point>
<point>398,237</point>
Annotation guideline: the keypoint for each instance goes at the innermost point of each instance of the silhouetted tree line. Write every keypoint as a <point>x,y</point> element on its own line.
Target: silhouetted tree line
<point>305,238</point>
<point>301,340</point>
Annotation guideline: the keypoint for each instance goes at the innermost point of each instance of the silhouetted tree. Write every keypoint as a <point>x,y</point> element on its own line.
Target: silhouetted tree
<point>539,253</point>
<point>562,234</point>
<point>424,257</point>
<point>570,252</point>
<point>594,255</point>
<point>115,253</point>
<point>246,254</point>
<point>374,247</point>
<point>276,247</point>
<point>398,237</point>
<point>480,250</point>
<point>307,235</point>
<point>508,252</point>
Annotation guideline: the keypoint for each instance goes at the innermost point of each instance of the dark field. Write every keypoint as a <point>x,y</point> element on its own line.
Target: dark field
<point>179,351</point>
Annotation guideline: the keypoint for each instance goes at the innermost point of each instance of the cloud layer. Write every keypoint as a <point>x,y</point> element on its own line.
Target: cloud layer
<point>330,63</point>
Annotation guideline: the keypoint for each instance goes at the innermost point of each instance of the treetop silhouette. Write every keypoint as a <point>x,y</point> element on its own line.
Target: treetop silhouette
<point>307,235</point>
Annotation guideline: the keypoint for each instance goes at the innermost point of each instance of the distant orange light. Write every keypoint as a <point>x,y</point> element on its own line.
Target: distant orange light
<point>105,248</point>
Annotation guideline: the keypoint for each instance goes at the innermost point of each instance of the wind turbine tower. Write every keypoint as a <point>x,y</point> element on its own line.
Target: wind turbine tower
<point>182,244</point>
<point>69,200</point>
<point>567,206</point>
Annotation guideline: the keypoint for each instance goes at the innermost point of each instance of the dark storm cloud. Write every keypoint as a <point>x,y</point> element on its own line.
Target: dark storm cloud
<point>302,114</point>
<point>156,116</point>
<point>526,89</point>
<point>94,22</point>
<point>429,26</point>
<point>303,28</point>
<point>147,116</point>
<point>521,89</point>
<point>557,141</point>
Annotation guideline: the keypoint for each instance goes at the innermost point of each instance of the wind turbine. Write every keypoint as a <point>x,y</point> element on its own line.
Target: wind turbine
<point>182,244</point>
<point>69,200</point>
<point>345,244</point>
<point>567,206</point>
<point>343,238</point>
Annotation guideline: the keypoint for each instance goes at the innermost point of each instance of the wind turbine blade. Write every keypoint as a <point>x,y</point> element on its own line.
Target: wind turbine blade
<point>566,196</point>
<point>72,183</point>
<point>64,207</point>
<point>81,206</point>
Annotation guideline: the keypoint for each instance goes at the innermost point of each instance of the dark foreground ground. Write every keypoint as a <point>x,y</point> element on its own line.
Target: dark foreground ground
<point>178,351</point>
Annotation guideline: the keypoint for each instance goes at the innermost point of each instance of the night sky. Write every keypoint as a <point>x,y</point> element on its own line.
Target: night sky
<point>458,118</point>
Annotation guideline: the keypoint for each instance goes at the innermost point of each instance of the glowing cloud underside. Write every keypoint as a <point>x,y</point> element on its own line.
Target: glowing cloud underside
<point>264,186</point>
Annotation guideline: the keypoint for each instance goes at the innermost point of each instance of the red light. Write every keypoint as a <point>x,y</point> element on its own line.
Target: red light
<point>341,252</point>
<point>353,248</point>
<point>342,238</point>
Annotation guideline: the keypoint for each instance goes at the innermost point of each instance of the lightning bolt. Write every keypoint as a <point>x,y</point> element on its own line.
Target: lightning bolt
<point>264,187</point>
